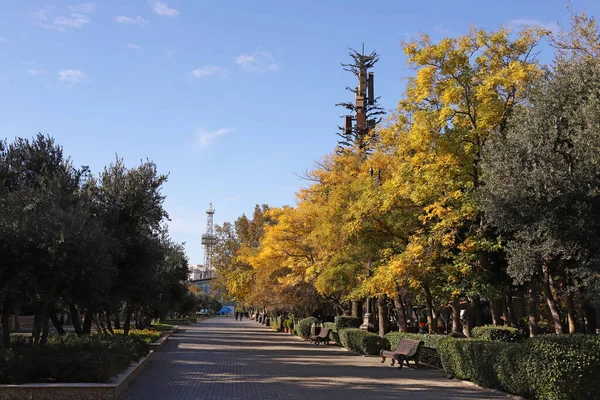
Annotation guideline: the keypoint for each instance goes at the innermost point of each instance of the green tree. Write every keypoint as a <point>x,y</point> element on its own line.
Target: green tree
<point>542,180</point>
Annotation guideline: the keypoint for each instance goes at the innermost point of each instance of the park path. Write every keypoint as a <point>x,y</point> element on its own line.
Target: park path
<point>221,358</point>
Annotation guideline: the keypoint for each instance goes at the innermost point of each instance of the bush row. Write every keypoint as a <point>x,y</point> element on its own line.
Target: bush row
<point>69,358</point>
<point>498,333</point>
<point>302,328</point>
<point>346,322</point>
<point>548,367</point>
<point>361,341</point>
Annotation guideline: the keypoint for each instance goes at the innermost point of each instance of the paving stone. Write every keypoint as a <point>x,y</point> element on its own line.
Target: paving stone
<point>222,358</point>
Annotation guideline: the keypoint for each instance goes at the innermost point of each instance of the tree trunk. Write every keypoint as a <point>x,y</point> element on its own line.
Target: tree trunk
<point>5,329</point>
<point>45,328</point>
<point>476,300</point>
<point>357,309</point>
<point>496,311</point>
<point>108,324</point>
<point>382,316</point>
<point>75,320</point>
<point>87,322</point>
<point>127,323</point>
<point>57,325</point>
<point>469,320</point>
<point>431,316</point>
<point>510,311</point>
<point>456,324</point>
<point>117,321</point>
<point>400,314</point>
<point>571,313</point>
<point>532,300</point>
<point>550,300</point>
<point>38,322</point>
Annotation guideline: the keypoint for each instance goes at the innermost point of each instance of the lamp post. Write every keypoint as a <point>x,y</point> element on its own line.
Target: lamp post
<point>367,324</point>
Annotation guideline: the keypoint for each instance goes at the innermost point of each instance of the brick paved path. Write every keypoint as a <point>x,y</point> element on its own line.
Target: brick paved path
<point>222,358</point>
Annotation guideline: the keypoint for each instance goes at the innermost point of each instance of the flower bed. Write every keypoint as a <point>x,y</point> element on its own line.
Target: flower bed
<point>147,335</point>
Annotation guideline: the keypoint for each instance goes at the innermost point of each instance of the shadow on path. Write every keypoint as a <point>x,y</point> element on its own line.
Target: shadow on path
<point>222,358</point>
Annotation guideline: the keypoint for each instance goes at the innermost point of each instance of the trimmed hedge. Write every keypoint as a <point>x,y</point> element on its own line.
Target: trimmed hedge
<point>548,367</point>
<point>564,366</point>
<point>69,358</point>
<point>362,341</point>
<point>498,333</point>
<point>346,322</point>
<point>302,328</point>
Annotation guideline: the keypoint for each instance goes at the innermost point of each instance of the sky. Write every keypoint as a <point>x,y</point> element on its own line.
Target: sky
<point>233,99</point>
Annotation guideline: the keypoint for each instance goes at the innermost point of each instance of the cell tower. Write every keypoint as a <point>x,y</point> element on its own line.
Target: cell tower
<point>209,239</point>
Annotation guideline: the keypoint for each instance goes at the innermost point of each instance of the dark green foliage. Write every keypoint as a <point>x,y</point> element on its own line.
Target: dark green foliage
<point>362,341</point>
<point>564,367</point>
<point>542,175</point>
<point>303,327</point>
<point>69,358</point>
<point>346,322</point>
<point>428,340</point>
<point>548,367</point>
<point>497,333</point>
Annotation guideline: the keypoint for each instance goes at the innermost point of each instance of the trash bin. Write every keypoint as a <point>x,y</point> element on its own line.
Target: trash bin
<point>315,328</point>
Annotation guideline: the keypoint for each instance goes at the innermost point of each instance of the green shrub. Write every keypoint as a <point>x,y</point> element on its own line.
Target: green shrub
<point>548,367</point>
<point>275,323</point>
<point>428,353</point>
<point>489,364</point>
<point>498,333</point>
<point>303,327</point>
<point>428,339</point>
<point>346,322</point>
<point>362,341</point>
<point>564,366</point>
<point>70,358</point>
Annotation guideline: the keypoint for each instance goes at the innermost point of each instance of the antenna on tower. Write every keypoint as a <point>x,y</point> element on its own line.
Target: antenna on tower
<point>209,240</point>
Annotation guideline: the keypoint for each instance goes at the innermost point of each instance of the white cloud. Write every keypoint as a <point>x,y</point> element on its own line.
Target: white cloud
<point>551,26</point>
<point>76,18</point>
<point>137,20</point>
<point>36,72</point>
<point>205,137</point>
<point>207,71</point>
<point>3,40</point>
<point>133,46</point>
<point>71,77</point>
<point>260,61</point>
<point>85,8</point>
<point>160,8</point>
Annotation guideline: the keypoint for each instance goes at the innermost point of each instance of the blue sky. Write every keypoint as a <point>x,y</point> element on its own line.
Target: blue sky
<point>232,98</point>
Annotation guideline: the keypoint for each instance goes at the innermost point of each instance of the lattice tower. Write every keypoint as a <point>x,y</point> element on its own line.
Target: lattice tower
<point>209,239</point>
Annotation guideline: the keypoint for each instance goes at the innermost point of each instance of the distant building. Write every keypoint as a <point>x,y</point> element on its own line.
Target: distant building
<point>200,272</point>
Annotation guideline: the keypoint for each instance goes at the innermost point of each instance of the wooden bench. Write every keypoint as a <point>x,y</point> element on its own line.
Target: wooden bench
<point>406,349</point>
<point>322,337</point>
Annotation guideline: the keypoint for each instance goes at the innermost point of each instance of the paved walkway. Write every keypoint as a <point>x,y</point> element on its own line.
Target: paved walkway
<point>222,358</point>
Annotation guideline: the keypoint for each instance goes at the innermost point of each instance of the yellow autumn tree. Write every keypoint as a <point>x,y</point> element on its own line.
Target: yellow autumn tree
<point>464,90</point>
